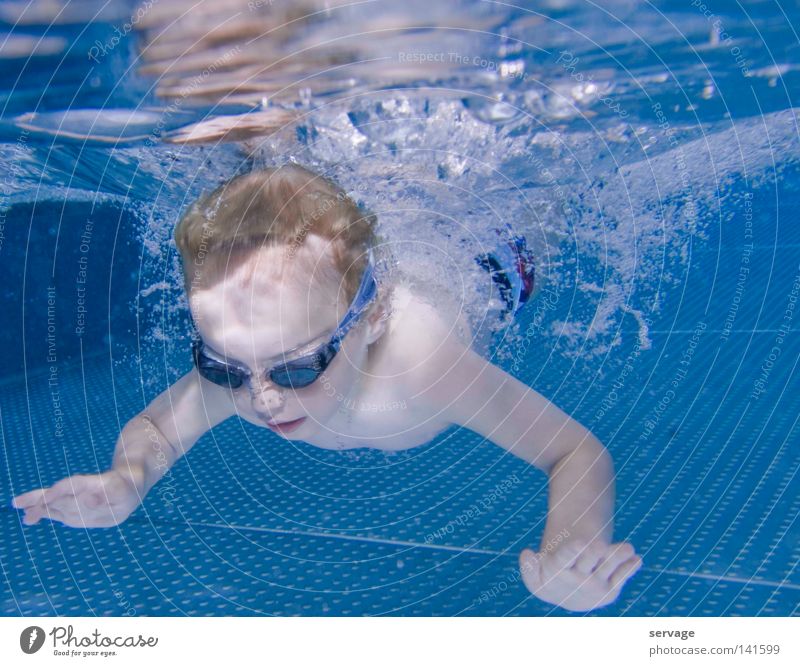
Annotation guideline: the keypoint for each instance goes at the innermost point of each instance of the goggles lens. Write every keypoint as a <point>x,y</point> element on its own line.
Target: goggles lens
<point>295,374</point>
<point>303,371</point>
<point>214,371</point>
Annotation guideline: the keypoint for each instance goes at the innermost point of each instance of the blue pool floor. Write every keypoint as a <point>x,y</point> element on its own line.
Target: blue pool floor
<point>249,524</point>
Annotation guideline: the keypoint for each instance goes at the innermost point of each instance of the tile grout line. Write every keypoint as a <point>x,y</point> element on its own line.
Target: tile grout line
<point>347,537</point>
<point>719,330</point>
<point>733,579</point>
<point>459,549</point>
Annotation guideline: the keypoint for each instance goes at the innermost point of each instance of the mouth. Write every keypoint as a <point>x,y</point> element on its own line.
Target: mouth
<point>285,426</point>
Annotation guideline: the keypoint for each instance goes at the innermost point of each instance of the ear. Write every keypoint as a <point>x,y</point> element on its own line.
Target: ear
<point>377,320</point>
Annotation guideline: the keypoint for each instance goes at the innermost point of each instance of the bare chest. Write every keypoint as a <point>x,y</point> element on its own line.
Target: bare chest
<point>393,408</point>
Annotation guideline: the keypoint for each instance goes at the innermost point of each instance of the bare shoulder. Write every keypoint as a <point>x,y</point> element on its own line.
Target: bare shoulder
<point>430,352</point>
<point>419,336</point>
<point>446,382</point>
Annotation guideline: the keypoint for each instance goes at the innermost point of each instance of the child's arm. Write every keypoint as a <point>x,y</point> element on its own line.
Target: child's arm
<point>147,447</point>
<point>169,427</point>
<point>577,567</point>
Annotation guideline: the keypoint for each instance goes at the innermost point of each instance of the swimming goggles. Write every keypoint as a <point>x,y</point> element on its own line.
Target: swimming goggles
<point>298,372</point>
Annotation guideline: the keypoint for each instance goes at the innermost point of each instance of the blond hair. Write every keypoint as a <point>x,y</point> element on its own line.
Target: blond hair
<point>276,206</point>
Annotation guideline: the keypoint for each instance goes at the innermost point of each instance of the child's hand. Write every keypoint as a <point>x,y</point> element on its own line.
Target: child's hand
<point>82,500</point>
<point>579,576</point>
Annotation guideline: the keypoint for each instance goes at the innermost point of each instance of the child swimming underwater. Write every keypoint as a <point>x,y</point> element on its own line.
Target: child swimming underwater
<point>290,323</point>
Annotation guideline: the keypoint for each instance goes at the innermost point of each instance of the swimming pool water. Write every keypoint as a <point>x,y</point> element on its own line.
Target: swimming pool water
<point>665,324</point>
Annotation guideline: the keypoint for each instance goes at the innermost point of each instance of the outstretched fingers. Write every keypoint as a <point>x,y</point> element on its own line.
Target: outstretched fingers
<point>625,571</point>
<point>70,485</point>
<point>53,513</point>
<point>590,558</point>
<point>34,514</point>
<point>616,554</point>
<point>530,567</point>
<point>31,498</point>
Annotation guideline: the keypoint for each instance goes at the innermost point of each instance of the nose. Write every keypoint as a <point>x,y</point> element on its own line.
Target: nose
<point>267,399</point>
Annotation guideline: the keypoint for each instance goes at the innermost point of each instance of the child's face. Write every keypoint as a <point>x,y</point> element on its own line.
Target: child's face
<point>264,307</point>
